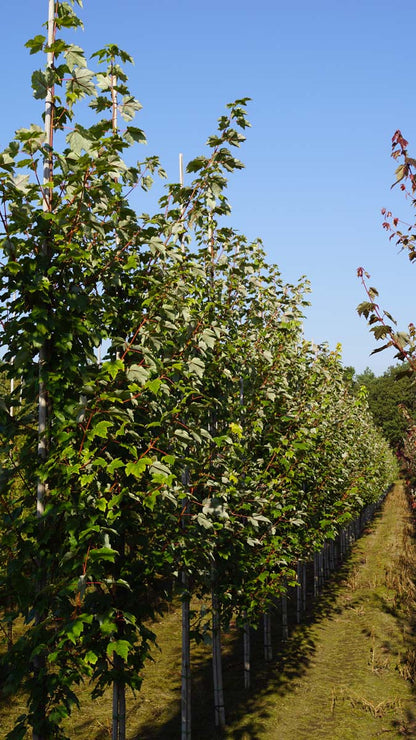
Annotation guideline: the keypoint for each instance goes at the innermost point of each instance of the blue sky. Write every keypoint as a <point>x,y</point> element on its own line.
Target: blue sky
<point>330,82</point>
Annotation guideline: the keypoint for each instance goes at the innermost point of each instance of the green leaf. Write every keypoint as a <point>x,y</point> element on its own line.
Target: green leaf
<point>42,81</point>
<point>120,647</point>
<point>114,465</point>
<point>74,57</point>
<point>154,385</point>
<point>112,368</point>
<point>80,139</point>
<point>128,109</point>
<point>204,521</point>
<point>137,374</point>
<point>36,44</point>
<point>158,467</point>
<point>137,468</point>
<point>103,554</point>
<point>91,657</point>
<point>197,366</point>
<point>136,134</point>
<point>101,429</point>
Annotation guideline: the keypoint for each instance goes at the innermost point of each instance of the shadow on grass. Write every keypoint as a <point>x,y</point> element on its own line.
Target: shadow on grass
<point>247,709</point>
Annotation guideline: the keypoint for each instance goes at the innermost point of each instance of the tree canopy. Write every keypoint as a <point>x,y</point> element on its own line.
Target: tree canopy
<point>388,395</point>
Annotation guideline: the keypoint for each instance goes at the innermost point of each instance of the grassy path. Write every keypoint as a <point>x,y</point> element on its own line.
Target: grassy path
<point>359,655</point>
<point>348,673</point>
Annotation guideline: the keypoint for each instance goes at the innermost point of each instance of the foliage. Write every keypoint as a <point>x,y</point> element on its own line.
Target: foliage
<point>211,439</point>
<point>382,323</point>
<point>388,394</point>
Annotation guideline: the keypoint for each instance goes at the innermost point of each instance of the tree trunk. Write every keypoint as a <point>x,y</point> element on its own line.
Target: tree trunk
<point>315,574</point>
<point>119,702</point>
<point>186,706</point>
<point>247,656</point>
<point>285,628</point>
<point>39,662</point>
<point>219,709</point>
<point>299,592</point>
<point>186,664</point>
<point>267,628</point>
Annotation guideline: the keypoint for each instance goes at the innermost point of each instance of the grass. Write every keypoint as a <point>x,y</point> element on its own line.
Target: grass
<point>360,675</point>
<point>348,672</point>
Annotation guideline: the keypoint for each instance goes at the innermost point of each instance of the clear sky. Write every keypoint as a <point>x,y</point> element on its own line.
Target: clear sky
<point>330,82</point>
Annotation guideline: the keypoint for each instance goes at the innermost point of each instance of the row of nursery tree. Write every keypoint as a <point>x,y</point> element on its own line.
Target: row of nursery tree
<point>210,450</point>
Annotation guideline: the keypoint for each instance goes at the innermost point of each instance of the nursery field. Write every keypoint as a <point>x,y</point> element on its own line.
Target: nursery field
<point>181,469</point>
<point>348,671</point>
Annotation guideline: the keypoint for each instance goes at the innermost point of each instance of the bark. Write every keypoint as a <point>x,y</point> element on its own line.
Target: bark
<point>299,589</point>
<point>186,706</point>
<point>186,664</point>
<point>267,630</point>
<point>219,709</point>
<point>247,654</point>
<point>39,662</point>
<point>285,628</point>
<point>119,702</point>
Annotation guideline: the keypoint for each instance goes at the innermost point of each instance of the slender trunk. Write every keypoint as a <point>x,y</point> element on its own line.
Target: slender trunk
<point>299,589</point>
<point>186,715</point>
<point>186,712</point>
<point>119,701</point>
<point>247,657</point>
<point>304,588</point>
<point>246,625</point>
<point>9,598</point>
<point>47,207</point>
<point>114,734</point>
<point>332,556</point>
<point>285,627</point>
<point>186,687</point>
<point>39,662</point>
<point>326,561</point>
<point>219,709</point>
<point>119,690</point>
<point>9,628</point>
<point>321,569</point>
<point>119,686</point>
<point>267,633</point>
<point>315,574</point>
